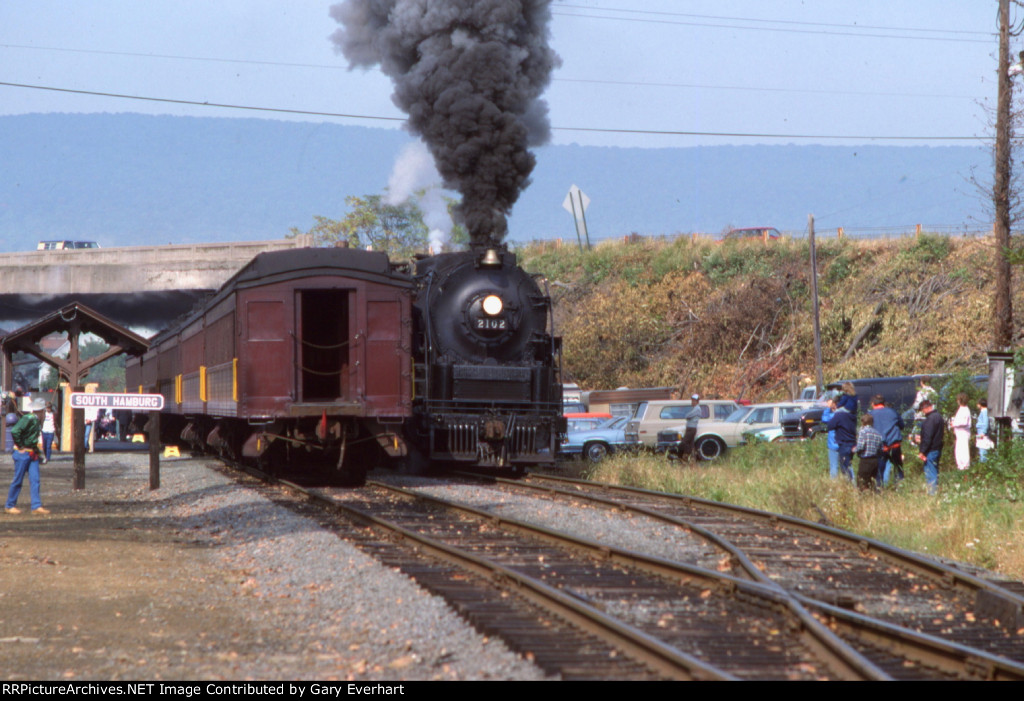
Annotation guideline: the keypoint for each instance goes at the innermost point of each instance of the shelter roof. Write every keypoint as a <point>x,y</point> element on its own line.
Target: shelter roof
<point>27,337</point>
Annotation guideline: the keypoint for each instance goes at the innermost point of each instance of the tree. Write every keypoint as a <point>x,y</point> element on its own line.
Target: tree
<point>397,230</point>
<point>109,374</point>
<point>458,238</point>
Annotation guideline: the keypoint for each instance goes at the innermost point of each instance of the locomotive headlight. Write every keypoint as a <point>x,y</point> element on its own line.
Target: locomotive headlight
<point>492,305</point>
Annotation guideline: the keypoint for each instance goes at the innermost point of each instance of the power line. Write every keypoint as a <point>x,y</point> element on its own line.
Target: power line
<point>773,136</point>
<point>211,59</point>
<point>778,21</point>
<point>774,29</point>
<point>654,132</point>
<point>764,89</point>
<point>203,104</point>
<point>595,81</point>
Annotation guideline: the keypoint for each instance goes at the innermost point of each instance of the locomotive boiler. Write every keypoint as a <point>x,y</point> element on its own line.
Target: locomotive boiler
<point>487,381</point>
<point>338,359</point>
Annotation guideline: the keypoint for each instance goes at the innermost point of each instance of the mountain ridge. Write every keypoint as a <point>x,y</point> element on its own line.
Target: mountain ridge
<point>129,179</point>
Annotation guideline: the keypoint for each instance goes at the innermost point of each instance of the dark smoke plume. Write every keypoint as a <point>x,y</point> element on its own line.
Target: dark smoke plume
<point>469,73</point>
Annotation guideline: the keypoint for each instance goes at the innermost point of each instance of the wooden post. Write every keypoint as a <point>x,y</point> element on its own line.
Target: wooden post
<point>819,374</point>
<point>1002,303</point>
<point>78,443</point>
<point>6,380</point>
<point>153,429</point>
<point>840,233</point>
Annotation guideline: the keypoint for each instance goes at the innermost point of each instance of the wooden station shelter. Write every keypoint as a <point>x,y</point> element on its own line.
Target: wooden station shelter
<point>75,319</point>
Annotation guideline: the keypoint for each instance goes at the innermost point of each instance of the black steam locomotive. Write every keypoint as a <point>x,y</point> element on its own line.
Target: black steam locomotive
<point>487,373</point>
<point>339,357</point>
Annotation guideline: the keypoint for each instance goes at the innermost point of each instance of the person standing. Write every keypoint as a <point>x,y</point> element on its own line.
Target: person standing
<point>833,447</point>
<point>843,423</point>
<point>848,399</point>
<point>924,392</point>
<point>890,425</point>
<point>868,449</point>
<point>983,441</point>
<point>690,434</point>
<point>49,431</point>
<point>961,425</point>
<point>26,461</point>
<point>92,415</point>
<point>930,444</point>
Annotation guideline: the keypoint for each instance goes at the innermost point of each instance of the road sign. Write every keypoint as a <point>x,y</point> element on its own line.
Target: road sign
<point>135,402</point>
<point>576,203</point>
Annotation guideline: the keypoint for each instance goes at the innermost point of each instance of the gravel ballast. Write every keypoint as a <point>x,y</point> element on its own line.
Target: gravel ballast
<point>203,579</point>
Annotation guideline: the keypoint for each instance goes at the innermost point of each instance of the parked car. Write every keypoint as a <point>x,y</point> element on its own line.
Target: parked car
<point>585,420</point>
<point>654,416</point>
<point>772,434</point>
<point>803,424</point>
<point>597,443</point>
<point>64,245</point>
<point>714,437</point>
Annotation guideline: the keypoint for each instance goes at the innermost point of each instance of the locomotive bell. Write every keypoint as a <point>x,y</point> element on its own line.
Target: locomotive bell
<point>490,259</point>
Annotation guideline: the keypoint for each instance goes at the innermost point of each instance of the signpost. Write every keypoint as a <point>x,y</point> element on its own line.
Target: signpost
<point>135,402</point>
<point>150,403</point>
<point>576,203</point>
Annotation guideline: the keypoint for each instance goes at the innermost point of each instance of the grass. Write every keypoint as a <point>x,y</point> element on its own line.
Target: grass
<point>973,519</point>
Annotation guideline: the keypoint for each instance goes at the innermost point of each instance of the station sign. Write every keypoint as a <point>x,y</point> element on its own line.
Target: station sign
<point>106,400</point>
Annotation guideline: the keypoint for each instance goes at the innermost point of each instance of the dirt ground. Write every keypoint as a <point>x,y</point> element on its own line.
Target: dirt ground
<point>104,589</point>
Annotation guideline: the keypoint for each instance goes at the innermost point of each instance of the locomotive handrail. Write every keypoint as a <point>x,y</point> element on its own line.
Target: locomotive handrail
<point>556,348</point>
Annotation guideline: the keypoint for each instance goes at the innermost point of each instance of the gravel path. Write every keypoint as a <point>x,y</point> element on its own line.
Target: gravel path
<point>212,581</point>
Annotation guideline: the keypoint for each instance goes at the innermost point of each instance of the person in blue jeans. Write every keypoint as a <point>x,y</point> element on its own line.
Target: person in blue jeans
<point>982,427</point>
<point>833,447</point>
<point>26,461</point>
<point>845,427</point>
<point>930,444</point>
<point>890,425</point>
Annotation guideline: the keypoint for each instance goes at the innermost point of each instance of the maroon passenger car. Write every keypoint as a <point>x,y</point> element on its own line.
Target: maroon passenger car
<point>304,353</point>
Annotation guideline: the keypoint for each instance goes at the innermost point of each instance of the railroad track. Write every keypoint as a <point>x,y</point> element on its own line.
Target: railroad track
<point>588,611</point>
<point>843,577</point>
<point>735,628</point>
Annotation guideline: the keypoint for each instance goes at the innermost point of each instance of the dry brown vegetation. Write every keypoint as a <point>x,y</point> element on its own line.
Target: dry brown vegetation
<point>734,319</point>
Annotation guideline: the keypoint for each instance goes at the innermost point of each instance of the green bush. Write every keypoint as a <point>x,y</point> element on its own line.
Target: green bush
<point>930,248</point>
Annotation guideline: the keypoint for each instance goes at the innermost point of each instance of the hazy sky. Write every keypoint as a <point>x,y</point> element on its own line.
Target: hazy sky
<point>817,68</point>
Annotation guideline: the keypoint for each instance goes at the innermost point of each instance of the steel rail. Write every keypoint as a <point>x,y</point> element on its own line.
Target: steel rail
<point>739,557</point>
<point>991,599</point>
<point>923,648</point>
<point>661,657</point>
<point>842,657</point>
<point>926,649</point>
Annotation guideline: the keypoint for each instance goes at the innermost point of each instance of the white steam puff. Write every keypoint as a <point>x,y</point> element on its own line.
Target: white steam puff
<point>469,73</point>
<point>414,176</point>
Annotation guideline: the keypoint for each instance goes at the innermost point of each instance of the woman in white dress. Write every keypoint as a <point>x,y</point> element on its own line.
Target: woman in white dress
<point>961,425</point>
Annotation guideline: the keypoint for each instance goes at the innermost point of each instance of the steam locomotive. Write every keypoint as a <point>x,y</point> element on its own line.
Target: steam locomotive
<point>338,359</point>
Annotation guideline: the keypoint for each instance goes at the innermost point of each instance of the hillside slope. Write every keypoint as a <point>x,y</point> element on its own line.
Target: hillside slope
<point>735,319</point>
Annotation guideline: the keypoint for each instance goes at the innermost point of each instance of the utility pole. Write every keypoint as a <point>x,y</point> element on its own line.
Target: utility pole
<point>1002,306</point>
<point>819,375</point>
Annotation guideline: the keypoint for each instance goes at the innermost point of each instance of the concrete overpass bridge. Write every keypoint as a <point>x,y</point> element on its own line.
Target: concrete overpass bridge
<point>136,286</point>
